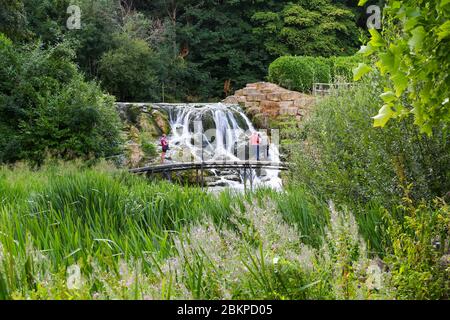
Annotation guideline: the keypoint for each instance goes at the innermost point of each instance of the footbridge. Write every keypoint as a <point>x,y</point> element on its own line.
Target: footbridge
<point>200,167</point>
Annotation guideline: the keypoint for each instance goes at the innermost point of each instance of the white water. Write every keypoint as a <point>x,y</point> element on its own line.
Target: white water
<point>218,132</point>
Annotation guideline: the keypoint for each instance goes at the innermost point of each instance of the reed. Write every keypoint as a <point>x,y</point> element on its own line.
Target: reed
<point>72,232</point>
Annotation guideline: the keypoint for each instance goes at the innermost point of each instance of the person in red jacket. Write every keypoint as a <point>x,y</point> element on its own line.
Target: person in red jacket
<point>165,147</point>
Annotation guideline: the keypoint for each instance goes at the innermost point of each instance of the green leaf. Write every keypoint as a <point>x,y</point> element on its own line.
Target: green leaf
<point>376,40</point>
<point>386,63</point>
<point>400,83</point>
<point>366,50</point>
<point>444,30</point>
<point>362,2</point>
<point>360,71</point>
<point>396,5</point>
<point>388,96</point>
<point>412,12</point>
<point>416,41</point>
<point>418,114</point>
<point>410,24</point>
<point>310,285</point>
<point>427,129</point>
<point>384,115</point>
<point>425,93</point>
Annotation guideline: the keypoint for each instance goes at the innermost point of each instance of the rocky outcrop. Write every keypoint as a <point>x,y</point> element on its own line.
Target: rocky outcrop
<point>268,100</point>
<point>151,117</point>
<point>143,124</point>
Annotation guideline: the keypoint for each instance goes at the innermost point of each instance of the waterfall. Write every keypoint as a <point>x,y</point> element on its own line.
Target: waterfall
<point>219,132</point>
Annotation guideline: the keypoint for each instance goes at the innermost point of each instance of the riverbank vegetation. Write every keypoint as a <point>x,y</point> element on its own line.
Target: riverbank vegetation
<point>98,233</point>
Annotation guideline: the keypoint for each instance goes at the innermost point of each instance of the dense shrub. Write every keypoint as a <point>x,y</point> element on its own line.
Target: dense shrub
<point>321,69</point>
<point>292,73</point>
<point>342,67</point>
<point>46,106</point>
<point>299,73</point>
<point>419,255</point>
<point>340,155</point>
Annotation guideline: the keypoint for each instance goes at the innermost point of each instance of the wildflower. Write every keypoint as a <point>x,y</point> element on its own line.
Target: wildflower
<point>306,257</point>
<point>130,281</point>
<point>374,273</point>
<point>74,281</point>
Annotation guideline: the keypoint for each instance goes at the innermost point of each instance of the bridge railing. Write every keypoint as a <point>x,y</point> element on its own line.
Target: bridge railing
<point>246,166</point>
<point>323,89</point>
<point>206,165</point>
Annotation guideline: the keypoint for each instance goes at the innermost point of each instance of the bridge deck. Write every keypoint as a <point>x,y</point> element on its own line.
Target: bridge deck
<point>208,165</point>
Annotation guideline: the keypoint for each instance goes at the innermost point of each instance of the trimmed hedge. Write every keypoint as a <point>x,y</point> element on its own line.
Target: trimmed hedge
<point>300,72</point>
<point>342,67</point>
<point>292,73</point>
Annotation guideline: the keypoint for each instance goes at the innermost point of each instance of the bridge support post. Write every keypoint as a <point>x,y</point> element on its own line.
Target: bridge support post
<point>203,177</point>
<point>166,174</point>
<point>251,179</point>
<point>245,179</point>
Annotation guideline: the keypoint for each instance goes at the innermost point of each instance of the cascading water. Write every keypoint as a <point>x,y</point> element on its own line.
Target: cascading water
<point>219,132</point>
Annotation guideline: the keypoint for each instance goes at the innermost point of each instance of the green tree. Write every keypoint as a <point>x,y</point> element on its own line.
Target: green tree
<point>127,71</point>
<point>412,55</point>
<point>204,49</point>
<point>12,19</point>
<point>99,21</point>
<point>46,107</point>
<point>46,19</point>
<point>220,42</point>
<point>314,28</point>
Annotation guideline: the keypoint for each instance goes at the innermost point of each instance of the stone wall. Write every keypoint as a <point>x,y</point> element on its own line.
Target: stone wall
<point>268,100</point>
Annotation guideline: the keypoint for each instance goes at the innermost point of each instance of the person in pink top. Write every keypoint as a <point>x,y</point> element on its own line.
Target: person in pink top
<point>165,147</point>
<point>255,140</point>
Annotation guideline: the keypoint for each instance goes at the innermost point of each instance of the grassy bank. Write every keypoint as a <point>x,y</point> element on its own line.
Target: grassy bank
<point>68,232</point>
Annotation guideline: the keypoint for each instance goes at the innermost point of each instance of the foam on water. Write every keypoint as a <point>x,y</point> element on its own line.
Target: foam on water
<point>218,132</point>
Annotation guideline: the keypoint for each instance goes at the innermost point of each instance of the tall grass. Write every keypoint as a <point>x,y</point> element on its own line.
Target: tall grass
<point>71,232</point>
<point>71,214</point>
<point>306,212</point>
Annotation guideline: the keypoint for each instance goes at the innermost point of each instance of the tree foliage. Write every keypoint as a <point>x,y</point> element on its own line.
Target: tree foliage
<point>12,18</point>
<point>203,50</point>
<point>313,28</point>
<point>412,54</point>
<point>127,71</point>
<point>46,107</point>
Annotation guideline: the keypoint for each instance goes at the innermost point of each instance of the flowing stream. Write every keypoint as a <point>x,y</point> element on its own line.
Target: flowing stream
<point>219,132</point>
